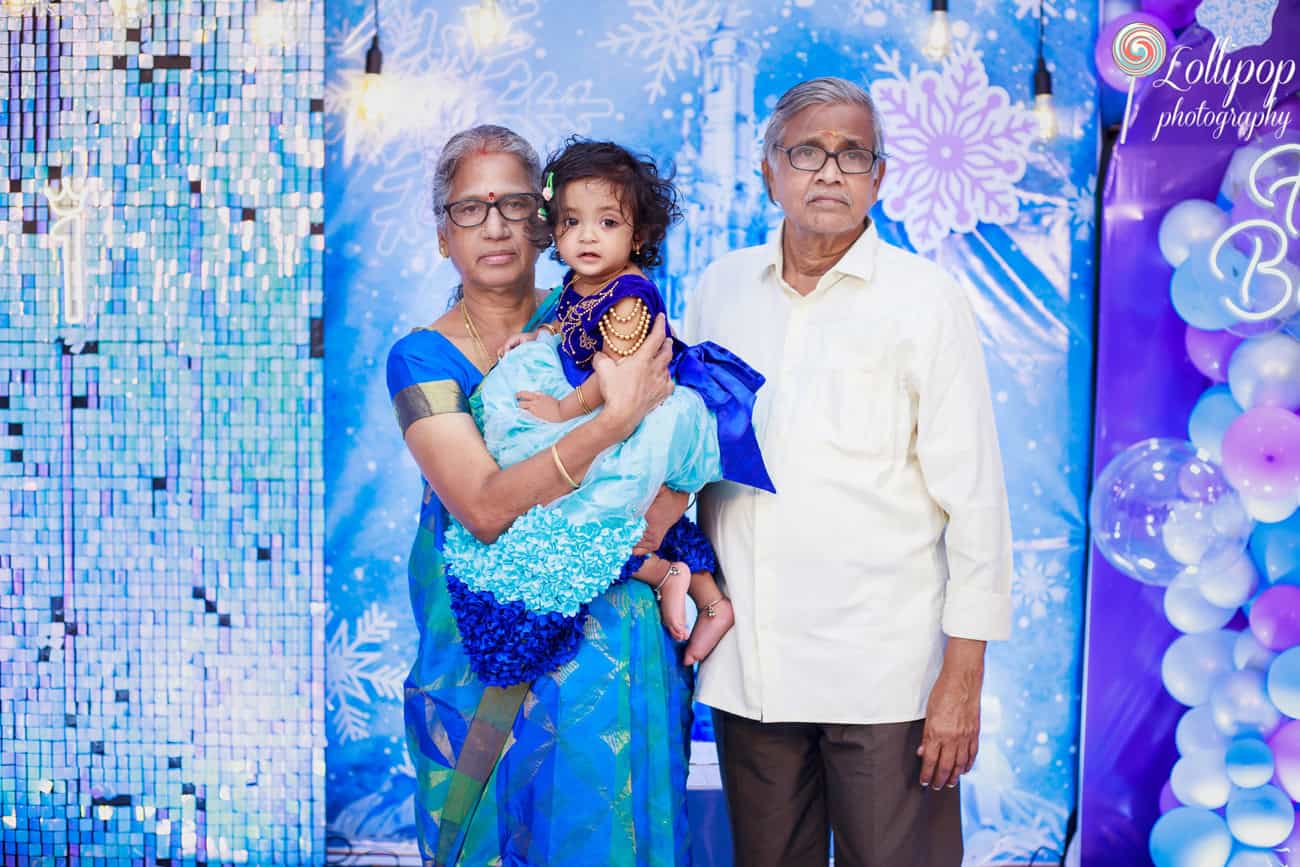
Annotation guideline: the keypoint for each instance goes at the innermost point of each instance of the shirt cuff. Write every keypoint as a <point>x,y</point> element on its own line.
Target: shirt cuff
<point>977,614</point>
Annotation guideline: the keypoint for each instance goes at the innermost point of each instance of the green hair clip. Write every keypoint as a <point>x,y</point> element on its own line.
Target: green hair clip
<point>548,192</point>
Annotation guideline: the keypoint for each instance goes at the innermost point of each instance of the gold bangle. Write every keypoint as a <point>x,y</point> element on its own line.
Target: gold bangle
<point>555,453</point>
<point>582,401</point>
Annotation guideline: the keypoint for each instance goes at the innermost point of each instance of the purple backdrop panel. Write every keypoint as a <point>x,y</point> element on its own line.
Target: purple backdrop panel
<point>1146,387</point>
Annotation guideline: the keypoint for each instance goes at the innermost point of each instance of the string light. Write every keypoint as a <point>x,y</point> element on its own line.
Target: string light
<point>369,101</point>
<point>1044,111</point>
<point>938,39</point>
<point>488,25</point>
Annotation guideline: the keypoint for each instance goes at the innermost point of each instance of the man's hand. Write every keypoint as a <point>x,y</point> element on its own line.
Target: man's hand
<point>952,717</point>
<point>668,506</point>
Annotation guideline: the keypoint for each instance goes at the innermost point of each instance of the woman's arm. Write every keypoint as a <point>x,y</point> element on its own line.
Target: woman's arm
<point>485,498</point>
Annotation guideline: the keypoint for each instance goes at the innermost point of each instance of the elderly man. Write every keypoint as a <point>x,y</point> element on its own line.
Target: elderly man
<point>847,697</point>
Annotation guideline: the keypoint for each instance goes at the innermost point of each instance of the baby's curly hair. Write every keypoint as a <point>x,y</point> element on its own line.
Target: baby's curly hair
<point>648,198</point>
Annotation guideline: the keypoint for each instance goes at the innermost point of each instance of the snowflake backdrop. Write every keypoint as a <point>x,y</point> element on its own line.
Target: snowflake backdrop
<point>692,82</point>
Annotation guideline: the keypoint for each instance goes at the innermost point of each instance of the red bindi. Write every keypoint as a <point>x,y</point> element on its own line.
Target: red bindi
<point>492,197</point>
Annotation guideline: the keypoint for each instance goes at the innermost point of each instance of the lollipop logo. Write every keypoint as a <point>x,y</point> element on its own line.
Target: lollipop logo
<point>1139,50</point>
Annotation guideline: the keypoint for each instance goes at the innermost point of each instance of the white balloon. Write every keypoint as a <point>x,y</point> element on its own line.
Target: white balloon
<point>1229,581</point>
<point>1188,610</point>
<point>1249,653</point>
<point>1196,732</point>
<point>1269,511</point>
<point>1200,779</point>
<point>1254,858</point>
<point>1187,223</point>
<point>1241,705</point>
<point>1265,371</point>
<point>1193,663</point>
<point>1262,816</point>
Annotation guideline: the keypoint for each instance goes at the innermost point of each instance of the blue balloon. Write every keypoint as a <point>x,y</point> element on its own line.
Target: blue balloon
<point>1249,762</point>
<point>1284,682</point>
<point>1187,224</point>
<point>1276,548</point>
<point>1247,857</point>
<point>1262,817</point>
<point>1198,294</point>
<point>1214,411</point>
<point>1190,837</point>
<point>1193,663</point>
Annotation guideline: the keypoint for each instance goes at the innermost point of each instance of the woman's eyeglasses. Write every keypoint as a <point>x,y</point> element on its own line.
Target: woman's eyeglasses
<point>515,207</point>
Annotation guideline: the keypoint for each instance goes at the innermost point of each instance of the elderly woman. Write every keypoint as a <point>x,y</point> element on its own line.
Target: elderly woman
<point>586,765</point>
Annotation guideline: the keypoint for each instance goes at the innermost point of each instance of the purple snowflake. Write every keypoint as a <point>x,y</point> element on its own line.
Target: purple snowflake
<point>957,148</point>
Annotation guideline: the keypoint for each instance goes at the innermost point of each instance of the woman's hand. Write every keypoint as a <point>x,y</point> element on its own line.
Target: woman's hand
<point>667,508</point>
<point>637,384</point>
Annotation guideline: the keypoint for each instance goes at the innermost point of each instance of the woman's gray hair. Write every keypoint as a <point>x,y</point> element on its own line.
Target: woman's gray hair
<point>819,91</point>
<point>484,138</point>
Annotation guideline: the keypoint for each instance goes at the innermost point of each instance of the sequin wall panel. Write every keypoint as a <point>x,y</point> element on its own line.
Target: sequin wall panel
<point>161,493</point>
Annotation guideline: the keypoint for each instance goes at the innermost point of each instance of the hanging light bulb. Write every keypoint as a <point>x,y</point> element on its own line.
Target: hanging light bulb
<point>938,39</point>
<point>488,25</point>
<point>1044,111</point>
<point>370,98</point>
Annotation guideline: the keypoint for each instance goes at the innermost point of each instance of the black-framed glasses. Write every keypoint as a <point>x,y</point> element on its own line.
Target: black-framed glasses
<point>811,158</point>
<point>515,207</point>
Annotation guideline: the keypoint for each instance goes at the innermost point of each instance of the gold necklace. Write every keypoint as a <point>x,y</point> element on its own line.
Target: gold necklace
<point>473,332</point>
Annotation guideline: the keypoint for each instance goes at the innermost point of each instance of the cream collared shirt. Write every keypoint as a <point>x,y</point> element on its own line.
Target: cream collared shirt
<point>889,529</point>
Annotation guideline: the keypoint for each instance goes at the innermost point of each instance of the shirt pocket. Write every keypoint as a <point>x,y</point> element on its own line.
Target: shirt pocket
<point>863,408</point>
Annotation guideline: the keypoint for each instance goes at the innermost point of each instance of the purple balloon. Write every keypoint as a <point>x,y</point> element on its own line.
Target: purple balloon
<point>1261,453</point>
<point>1285,745</point>
<point>1176,13</point>
<point>1210,351</point>
<point>1104,56</point>
<point>1275,617</point>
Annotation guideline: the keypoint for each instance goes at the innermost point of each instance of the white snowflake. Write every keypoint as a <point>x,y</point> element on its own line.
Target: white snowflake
<point>957,148</point>
<point>1081,205</point>
<point>1039,583</point>
<point>357,672</point>
<point>1238,23</point>
<point>669,35</point>
<point>878,13</point>
<point>1030,8</point>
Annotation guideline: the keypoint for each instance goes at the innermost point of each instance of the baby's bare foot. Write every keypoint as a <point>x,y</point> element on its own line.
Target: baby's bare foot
<point>672,600</point>
<point>709,629</point>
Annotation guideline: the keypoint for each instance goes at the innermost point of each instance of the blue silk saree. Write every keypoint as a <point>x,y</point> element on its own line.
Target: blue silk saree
<point>594,769</point>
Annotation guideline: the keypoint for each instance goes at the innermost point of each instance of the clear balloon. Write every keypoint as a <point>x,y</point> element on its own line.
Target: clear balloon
<point>1158,507</point>
<point>1284,682</point>
<point>1228,581</point>
<point>1265,371</point>
<point>1189,223</point>
<point>1215,410</point>
<point>1261,453</point>
<point>1190,837</point>
<point>1188,610</point>
<point>1241,705</point>
<point>1285,745</point>
<point>1192,665</point>
<point>1249,762</point>
<point>1263,816</point>
<point>1210,351</point>
<point>1275,617</point>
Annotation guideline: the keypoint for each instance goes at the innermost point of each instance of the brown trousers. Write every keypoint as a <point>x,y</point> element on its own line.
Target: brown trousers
<point>789,785</point>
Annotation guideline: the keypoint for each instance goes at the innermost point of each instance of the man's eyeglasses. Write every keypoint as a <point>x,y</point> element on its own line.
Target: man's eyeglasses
<point>811,158</point>
<point>515,207</point>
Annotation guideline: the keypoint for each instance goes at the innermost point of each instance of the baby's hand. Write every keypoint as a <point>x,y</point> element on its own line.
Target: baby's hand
<point>517,340</point>
<point>543,406</point>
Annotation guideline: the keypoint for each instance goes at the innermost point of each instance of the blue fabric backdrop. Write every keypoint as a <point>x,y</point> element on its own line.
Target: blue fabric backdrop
<point>692,82</point>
